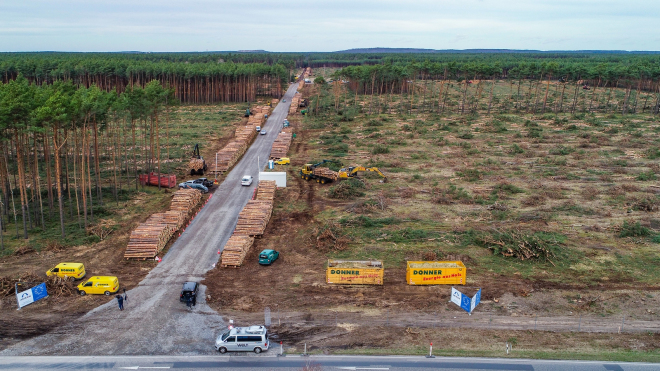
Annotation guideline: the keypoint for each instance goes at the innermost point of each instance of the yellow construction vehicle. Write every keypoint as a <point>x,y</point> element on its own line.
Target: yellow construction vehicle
<point>350,172</point>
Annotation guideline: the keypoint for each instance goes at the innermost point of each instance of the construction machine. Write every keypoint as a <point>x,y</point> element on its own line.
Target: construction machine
<point>197,165</point>
<point>351,171</point>
<point>320,174</point>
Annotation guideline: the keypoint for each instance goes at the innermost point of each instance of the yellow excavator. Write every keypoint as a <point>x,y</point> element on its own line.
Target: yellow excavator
<point>350,172</point>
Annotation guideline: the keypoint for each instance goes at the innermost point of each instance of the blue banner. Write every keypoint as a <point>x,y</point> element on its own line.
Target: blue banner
<point>465,302</point>
<point>39,292</point>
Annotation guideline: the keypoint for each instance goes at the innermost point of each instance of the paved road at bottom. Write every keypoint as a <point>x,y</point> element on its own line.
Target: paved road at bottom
<point>269,362</point>
<point>154,321</point>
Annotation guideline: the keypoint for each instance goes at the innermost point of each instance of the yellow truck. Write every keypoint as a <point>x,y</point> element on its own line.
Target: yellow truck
<point>350,272</point>
<point>436,273</point>
<point>75,270</point>
<point>99,285</point>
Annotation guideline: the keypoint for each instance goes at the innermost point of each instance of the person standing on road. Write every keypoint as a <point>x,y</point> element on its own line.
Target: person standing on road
<point>120,301</point>
<point>125,296</point>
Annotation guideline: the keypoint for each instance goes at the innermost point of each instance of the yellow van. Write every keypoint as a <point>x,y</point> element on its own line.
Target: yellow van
<point>99,285</point>
<point>75,270</point>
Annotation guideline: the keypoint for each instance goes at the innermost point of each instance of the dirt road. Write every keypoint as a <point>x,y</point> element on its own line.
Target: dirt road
<point>154,321</point>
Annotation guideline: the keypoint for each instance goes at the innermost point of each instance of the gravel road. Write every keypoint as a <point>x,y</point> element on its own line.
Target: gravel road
<point>154,321</point>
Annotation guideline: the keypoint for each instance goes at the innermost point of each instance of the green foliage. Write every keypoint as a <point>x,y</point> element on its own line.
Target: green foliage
<point>646,176</point>
<point>367,222</point>
<point>380,149</point>
<point>516,149</point>
<point>634,230</point>
<point>466,135</point>
<point>471,175</point>
<point>507,188</point>
<point>561,150</point>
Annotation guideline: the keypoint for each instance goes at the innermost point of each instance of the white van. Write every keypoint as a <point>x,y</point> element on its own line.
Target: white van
<point>243,339</point>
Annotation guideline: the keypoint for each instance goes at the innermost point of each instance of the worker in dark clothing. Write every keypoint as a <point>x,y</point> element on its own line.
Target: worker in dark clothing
<point>125,296</point>
<point>120,301</point>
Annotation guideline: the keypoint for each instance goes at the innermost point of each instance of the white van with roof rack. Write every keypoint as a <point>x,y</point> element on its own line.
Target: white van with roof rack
<point>243,339</point>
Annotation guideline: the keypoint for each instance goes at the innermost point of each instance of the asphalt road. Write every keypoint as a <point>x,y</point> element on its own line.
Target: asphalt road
<point>154,321</point>
<point>271,362</point>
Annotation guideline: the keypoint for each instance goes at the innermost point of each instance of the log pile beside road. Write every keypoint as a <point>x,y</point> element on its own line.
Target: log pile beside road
<point>253,219</point>
<point>232,152</point>
<point>252,222</point>
<point>266,190</point>
<point>235,250</point>
<point>229,155</point>
<point>295,102</point>
<point>281,145</point>
<point>150,237</point>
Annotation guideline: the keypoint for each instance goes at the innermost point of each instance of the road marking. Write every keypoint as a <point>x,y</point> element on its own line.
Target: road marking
<point>363,368</point>
<point>139,367</point>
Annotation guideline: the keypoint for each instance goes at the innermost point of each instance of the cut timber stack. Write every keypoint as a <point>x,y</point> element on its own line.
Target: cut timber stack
<point>281,145</point>
<point>185,200</point>
<point>235,250</point>
<point>326,173</point>
<point>295,102</point>
<point>150,237</point>
<point>232,152</point>
<point>196,164</point>
<point>147,240</point>
<point>266,190</point>
<point>253,219</point>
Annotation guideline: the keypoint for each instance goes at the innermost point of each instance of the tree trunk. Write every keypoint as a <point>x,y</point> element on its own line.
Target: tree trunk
<point>58,182</point>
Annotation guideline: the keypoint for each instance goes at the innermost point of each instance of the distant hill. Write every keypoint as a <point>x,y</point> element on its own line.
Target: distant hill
<point>489,51</point>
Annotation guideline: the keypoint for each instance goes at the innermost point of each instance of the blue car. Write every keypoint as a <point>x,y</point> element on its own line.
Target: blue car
<point>191,184</point>
<point>267,257</point>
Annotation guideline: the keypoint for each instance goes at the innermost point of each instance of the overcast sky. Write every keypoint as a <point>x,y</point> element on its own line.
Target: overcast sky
<point>286,26</point>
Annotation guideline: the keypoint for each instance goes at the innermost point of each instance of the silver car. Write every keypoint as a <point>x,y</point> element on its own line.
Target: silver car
<point>243,339</point>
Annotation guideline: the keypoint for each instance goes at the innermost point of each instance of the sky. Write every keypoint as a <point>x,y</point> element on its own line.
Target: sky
<point>327,25</point>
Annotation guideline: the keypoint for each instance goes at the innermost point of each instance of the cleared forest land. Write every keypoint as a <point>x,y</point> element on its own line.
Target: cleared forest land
<point>555,215</point>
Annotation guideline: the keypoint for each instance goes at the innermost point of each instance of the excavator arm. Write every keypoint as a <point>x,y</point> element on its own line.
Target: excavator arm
<point>350,172</point>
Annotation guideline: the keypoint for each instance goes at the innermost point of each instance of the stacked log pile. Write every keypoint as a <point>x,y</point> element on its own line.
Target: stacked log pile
<point>185,200</point>
<point>253,219</point>
<point>281,145</point>
<point>326,173</point>
<point>235,250</point>
<point>252,222</point>
<point>295,102</point>
<point>232,152</point>
<point>150,237</point>
<point>147,240</point>
<point>266,190</point>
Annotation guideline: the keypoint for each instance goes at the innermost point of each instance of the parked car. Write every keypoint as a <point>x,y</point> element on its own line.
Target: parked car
<point>283,161</point>
<point>258,128</point>
<point>193,185</point>
<point>247,180</point>
<point>263,132</point>
<point>267,257</point>
<point>189,292</point>
<point>284,100</point>
<point>245,339</point>
<point>205,182</point>
<point>99,285</point>
<point>75,270</point>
